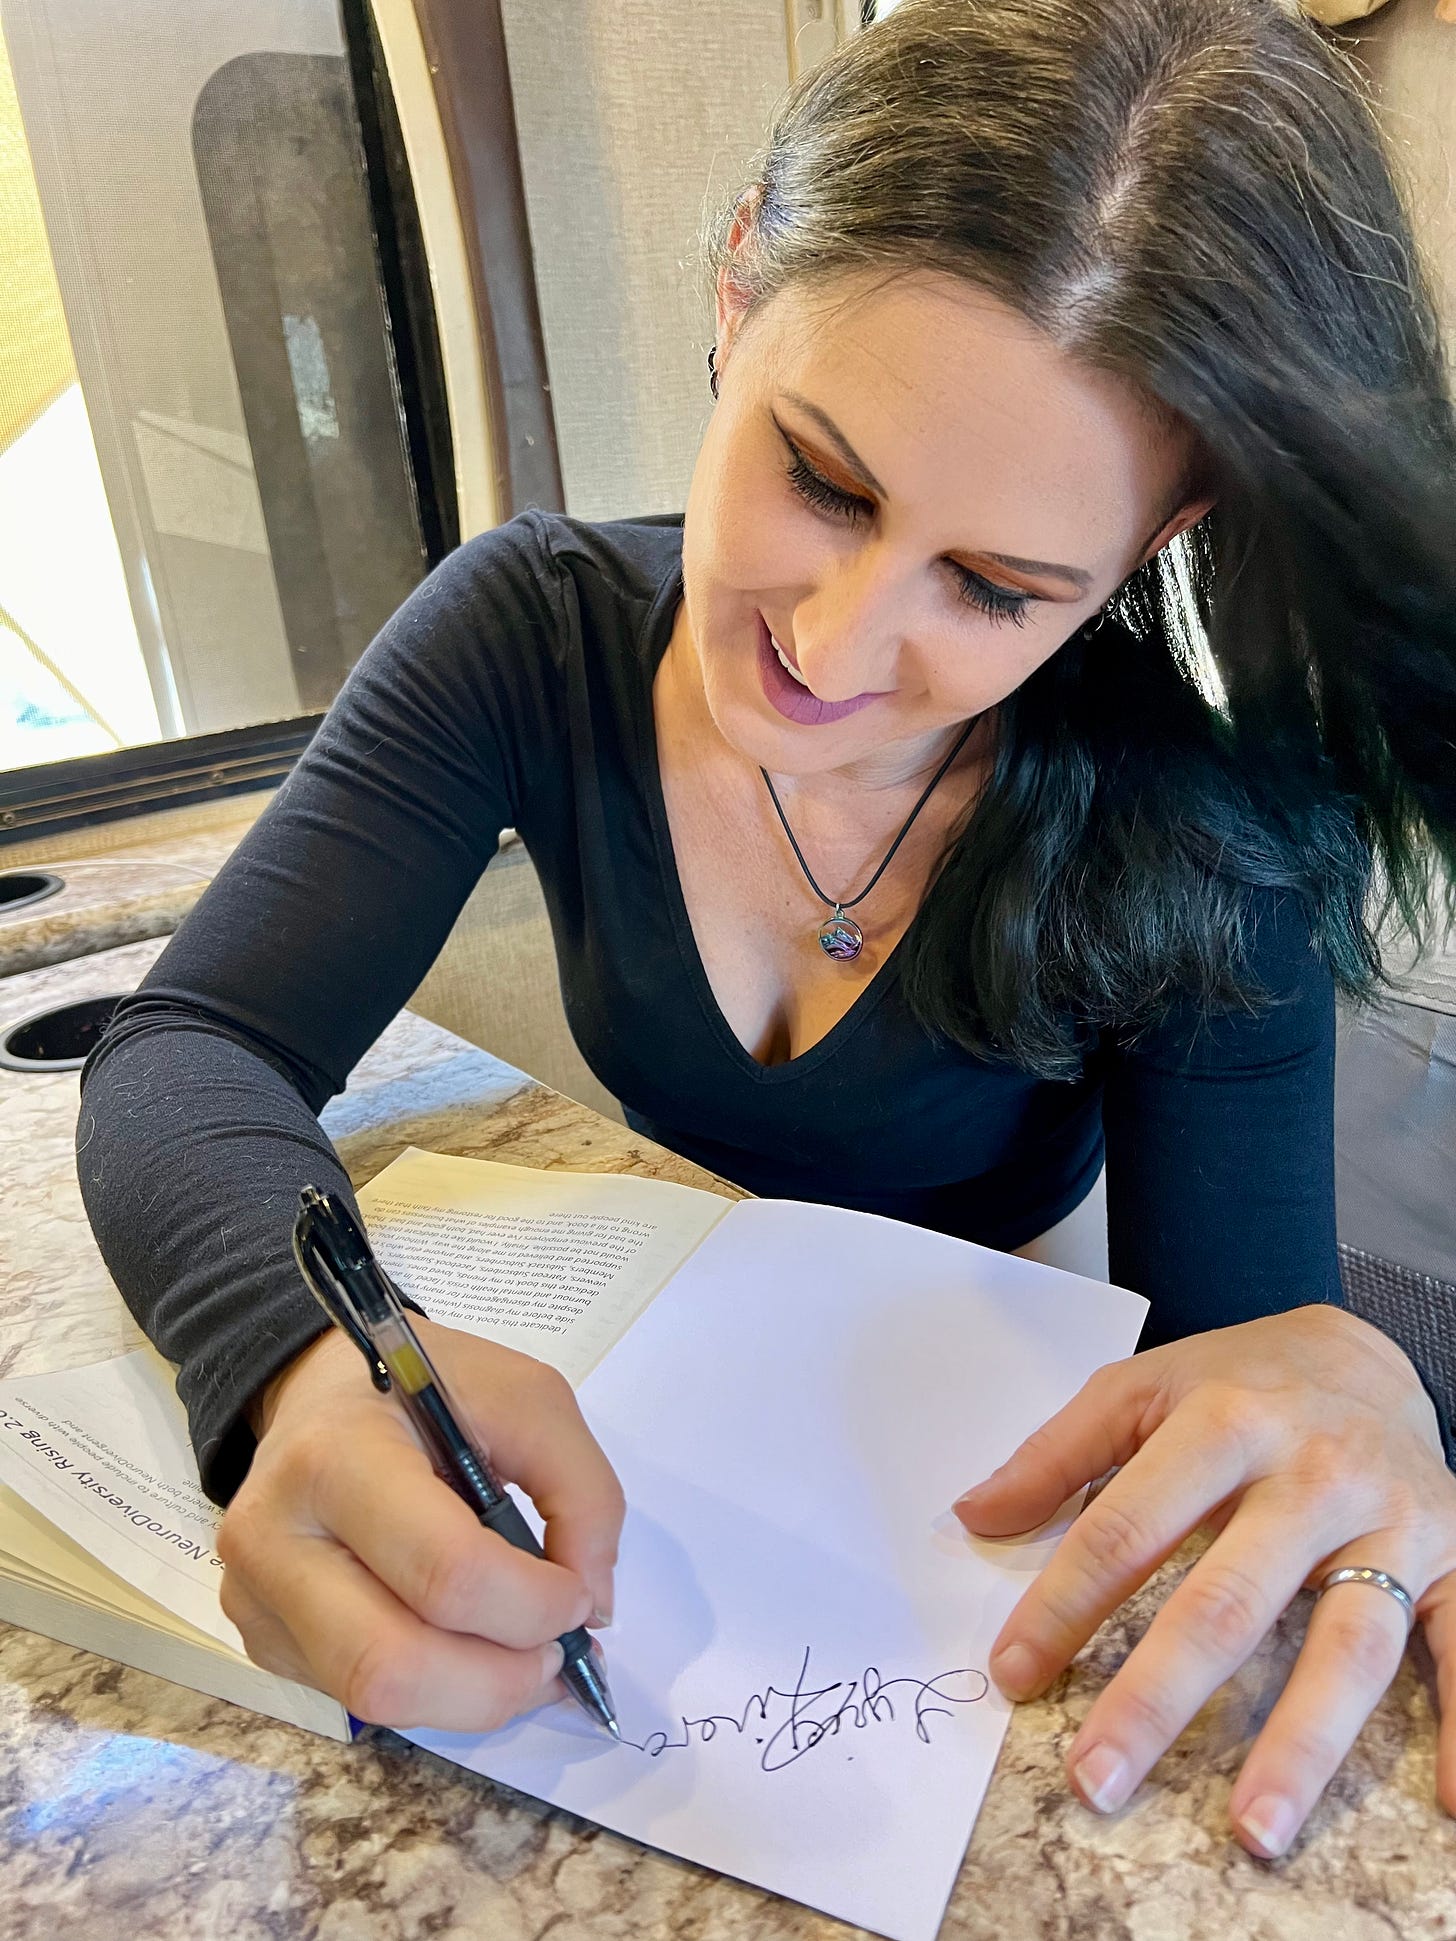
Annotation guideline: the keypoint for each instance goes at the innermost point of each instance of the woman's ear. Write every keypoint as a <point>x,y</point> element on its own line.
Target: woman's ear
<point>732,298</point>
<point>1186,516</point>
<point>731,309</point>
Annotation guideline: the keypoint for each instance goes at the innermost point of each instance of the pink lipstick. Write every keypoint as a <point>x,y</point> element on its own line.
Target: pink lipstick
<point>792,700</point>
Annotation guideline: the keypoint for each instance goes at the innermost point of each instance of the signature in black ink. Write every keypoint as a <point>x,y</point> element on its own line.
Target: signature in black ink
<point>820,1713</point>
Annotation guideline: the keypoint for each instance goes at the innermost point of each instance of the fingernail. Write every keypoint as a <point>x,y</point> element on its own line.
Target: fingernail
<point>603,1592</point>
<point>969,1496</point>
<point>1015,1670</point>
<point>1102,1775</point>
<point>552,1659</point>
<point>1270,1821</point>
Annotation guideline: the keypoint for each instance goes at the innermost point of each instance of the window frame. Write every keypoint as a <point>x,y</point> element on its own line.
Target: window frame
<point>52,798</point>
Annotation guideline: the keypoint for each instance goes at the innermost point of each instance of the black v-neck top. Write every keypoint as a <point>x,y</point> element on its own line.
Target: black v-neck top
<point>514,689</point>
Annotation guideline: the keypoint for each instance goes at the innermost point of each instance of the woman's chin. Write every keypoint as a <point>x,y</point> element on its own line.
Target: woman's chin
<point>764,734</point>
<point>769,740</point>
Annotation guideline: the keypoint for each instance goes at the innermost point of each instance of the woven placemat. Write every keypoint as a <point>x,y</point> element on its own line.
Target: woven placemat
<point>1416,1310</point>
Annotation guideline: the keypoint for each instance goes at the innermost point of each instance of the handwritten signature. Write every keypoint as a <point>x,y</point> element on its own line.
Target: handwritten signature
<point>817,1714</point>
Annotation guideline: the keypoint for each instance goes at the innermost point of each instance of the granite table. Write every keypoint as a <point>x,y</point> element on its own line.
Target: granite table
<point>134,1808</point>
<point>117,896</point>
<point>124,892</point>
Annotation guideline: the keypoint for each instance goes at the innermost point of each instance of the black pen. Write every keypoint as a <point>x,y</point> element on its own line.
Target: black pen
<point>358,1296</point>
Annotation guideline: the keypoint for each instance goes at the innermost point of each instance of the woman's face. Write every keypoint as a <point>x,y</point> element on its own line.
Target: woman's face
<point>920,498</point>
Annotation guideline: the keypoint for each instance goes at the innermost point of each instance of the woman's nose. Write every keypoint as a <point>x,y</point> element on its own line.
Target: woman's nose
<point>847,638</point>
<point>846,662</point>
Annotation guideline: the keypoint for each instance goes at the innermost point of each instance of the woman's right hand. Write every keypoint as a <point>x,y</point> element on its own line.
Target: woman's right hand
<point>350,1566</point>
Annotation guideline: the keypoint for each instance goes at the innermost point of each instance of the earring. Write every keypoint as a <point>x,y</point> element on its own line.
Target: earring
<point>1099,619</point>
<point>713,371</point>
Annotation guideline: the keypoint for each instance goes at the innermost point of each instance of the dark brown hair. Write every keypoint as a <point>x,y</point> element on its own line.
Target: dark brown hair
<point>1193,194</point>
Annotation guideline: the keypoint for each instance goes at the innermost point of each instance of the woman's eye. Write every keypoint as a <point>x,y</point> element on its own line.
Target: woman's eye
<point>994,601</point>
<point>818,491</point>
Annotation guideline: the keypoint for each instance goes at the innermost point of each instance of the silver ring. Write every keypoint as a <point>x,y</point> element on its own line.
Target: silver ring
<point>1362,1575</point>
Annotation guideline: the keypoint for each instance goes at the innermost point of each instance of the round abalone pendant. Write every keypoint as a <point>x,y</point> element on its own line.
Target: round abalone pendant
<point>840,936</point>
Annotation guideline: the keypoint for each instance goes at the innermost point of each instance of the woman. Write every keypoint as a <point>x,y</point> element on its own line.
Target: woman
<point>1021,292</point>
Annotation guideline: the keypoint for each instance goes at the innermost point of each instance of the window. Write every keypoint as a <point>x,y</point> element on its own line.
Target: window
<point>224,453</point>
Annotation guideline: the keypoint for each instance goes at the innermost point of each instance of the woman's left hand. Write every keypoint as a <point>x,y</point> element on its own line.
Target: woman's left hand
<point>1308,1443</point>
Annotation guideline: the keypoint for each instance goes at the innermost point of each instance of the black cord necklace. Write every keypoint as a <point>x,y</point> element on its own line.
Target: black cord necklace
<point>839,935</point>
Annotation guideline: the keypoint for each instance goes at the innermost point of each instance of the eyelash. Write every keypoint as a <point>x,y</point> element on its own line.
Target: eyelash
<point>993,601</point>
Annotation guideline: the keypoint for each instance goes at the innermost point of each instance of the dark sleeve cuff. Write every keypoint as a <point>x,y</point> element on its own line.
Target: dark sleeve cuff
<point>191,1152</point>
<point>222,1435</point>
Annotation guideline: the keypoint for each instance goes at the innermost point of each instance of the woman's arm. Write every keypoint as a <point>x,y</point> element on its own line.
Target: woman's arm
<point>198,1117</point>
<point>1220,1146</point>
<point>1300,1435</point>
<point>1220,1150</point>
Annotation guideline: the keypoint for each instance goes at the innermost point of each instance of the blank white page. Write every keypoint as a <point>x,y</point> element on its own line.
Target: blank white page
<point>801,1627</point>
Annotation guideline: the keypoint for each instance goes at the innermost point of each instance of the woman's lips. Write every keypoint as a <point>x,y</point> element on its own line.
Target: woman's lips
<point>794,702</point>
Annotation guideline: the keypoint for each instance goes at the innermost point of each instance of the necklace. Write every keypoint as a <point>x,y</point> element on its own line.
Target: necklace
<point>839,935</point>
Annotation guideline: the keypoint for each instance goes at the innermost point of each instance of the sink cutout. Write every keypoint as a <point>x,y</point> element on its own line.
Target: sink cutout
<point>58,1039</point>
<point>21,886</point>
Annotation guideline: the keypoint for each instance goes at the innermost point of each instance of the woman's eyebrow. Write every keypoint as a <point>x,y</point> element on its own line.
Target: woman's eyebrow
<point>836,437</point>
<point>1076,575</point>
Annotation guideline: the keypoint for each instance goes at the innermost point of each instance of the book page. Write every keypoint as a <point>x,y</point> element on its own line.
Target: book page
<point>102,1452</point>
<point>34,1552</point>
<point>799,1649</point>
<point>556,1264</point>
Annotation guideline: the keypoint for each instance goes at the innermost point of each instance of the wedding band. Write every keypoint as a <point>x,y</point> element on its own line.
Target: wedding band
<point>1361,1575</point>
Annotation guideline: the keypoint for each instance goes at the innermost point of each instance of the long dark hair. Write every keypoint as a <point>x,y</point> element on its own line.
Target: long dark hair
<point>1195,196</point>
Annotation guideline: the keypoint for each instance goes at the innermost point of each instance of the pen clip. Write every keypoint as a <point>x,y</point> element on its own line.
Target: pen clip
<point>325,1285</point>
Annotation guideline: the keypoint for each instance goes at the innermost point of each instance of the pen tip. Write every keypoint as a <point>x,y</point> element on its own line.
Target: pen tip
<point>614,1729</point>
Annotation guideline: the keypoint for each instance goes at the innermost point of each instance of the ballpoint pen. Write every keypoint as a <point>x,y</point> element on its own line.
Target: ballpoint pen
<point>352,1288</point>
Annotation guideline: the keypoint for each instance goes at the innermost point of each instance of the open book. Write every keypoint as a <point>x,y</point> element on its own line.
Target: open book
<point>792,1395</point>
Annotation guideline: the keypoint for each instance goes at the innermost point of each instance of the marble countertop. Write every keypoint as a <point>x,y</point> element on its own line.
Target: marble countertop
<point>131,1807</point>
<point>121,894</point>
<point>111,898</point>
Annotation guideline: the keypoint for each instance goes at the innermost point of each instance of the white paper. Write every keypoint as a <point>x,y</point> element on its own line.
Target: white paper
<point>102,1452</point>
<point>791,1420</point>
<point>557,1265</point>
